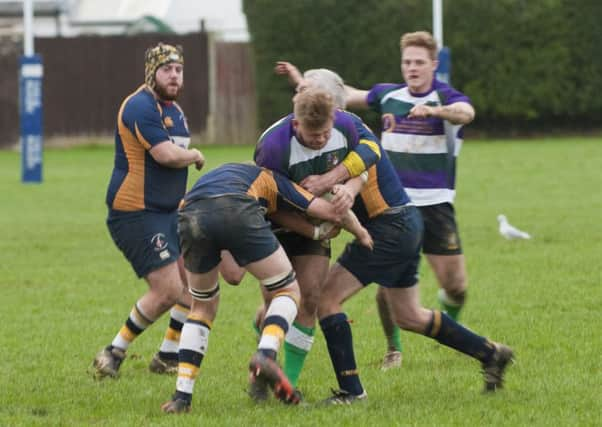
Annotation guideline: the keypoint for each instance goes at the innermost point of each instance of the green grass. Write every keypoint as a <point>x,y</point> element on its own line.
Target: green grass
<point>65,290</point>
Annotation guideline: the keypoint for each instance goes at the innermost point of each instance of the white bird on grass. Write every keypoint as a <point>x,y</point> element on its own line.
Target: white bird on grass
<point>509,231</point>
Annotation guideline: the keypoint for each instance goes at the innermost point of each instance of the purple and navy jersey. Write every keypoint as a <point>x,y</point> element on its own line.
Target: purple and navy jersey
<point>418,147</point>
<point>272,190</point>
<point>139,182</point>
<point>351,142</point>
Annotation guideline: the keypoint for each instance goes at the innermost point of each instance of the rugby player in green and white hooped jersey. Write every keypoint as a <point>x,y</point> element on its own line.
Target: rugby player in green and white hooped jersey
<point>310,151</point>
<point>422,122</point>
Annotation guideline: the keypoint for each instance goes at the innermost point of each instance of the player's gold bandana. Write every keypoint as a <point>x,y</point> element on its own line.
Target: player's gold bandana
<point>157,56</point>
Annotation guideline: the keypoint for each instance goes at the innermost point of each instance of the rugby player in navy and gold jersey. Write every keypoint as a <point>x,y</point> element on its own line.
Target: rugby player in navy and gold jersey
<point>146,186</point>
<point>225,210</point>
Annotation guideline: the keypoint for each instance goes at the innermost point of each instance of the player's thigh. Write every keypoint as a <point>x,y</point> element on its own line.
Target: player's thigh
<point>165,279</point>
<point>450,270</point>
<point>270,266</point>
<point>311,271</point>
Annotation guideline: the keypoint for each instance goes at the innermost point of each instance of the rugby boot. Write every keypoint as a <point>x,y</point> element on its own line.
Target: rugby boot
<point>266,371</point>
<point>107,362</point>
<point>493,370</point>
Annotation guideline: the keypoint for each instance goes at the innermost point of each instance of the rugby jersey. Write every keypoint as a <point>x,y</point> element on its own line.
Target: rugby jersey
<point>352,143</point>
<point>418,147</point>
<point>138,182</point>
<point>271,189</point>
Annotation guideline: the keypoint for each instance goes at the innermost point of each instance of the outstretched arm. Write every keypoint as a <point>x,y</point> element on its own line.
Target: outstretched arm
<point>356,98</point>
<point>287,69</point>
<point>458,113</point>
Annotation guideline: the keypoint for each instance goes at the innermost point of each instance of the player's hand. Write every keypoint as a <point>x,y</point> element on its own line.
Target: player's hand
<point>200,162</point>
<point>316,184</point>
<point>365,239</point>
<point>421,112</point>
<point>285,68</point>
<point>342,198</point>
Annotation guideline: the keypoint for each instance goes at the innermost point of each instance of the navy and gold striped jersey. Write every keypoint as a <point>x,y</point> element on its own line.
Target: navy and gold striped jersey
<point>272,190</point>
<point>139,182</point>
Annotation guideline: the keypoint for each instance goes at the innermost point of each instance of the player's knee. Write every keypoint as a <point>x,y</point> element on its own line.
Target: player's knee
<point>410,318</point>
<point>455,283</point>
<point>165,300</point>
<point>310,297</point>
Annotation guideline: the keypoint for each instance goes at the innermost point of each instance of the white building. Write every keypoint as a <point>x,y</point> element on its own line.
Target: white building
<point>68,18</point>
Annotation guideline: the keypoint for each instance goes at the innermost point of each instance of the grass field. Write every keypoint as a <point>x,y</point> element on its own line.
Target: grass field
<point>65,290</point>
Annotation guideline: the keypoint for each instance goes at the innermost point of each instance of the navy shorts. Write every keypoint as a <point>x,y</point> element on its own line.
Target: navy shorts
<point>296,245</point>
<point>440,230</point>
<point>393,263</point>
<point>233,222</point>
<point>149,240</point>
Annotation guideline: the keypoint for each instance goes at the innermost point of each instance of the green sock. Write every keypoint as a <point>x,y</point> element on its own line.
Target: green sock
<point>395,339</point>
<point>297,344</point>
<point>451,308</point>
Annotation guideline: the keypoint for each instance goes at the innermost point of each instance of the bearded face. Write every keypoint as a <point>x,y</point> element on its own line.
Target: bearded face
<point>169,81</point>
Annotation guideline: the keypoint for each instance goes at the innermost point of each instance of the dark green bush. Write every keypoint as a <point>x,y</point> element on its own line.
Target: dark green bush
<point>525,64</point>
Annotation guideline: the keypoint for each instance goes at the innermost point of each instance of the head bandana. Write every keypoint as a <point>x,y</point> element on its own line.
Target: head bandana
<point>157,56</point>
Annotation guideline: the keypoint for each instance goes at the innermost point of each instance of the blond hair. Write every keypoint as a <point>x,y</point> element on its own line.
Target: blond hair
<point>422,39</point>
<point>314,107</point>
<point>331,82</point>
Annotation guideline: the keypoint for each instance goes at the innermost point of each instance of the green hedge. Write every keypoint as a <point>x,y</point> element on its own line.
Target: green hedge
<point>525,64</point>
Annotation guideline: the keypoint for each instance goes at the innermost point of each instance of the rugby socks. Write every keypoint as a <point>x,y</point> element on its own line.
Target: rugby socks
<point>192,348</point>
<point>339,340</point>
<point>392,332</point>
<point>136,323</point>
<point>450,333</point>
<point>171,340</point>
<point>394,340</point>
<point>297,345</point>
<point>451,304</point>
<point>278,318</point>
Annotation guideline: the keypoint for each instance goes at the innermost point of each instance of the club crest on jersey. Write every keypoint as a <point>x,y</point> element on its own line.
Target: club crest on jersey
<point>332,159</point>
<point>168,121</point>
<point>159,242</point>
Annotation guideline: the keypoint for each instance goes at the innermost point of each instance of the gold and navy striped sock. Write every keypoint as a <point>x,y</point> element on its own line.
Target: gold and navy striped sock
<point>171,340</point>
<point>136,323</point>
<point>278,318</point>
<point>193,345</point>
<point>452,334</point>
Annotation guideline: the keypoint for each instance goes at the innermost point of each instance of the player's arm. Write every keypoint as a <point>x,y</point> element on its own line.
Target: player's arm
<point>168,154</point>
<point>287,69</point>
<point>298,223</point>
<point>364,154</point>
<point>322,209</point>
<point>356,98</point>
<point>143,119</point>
<point>458,113</point>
